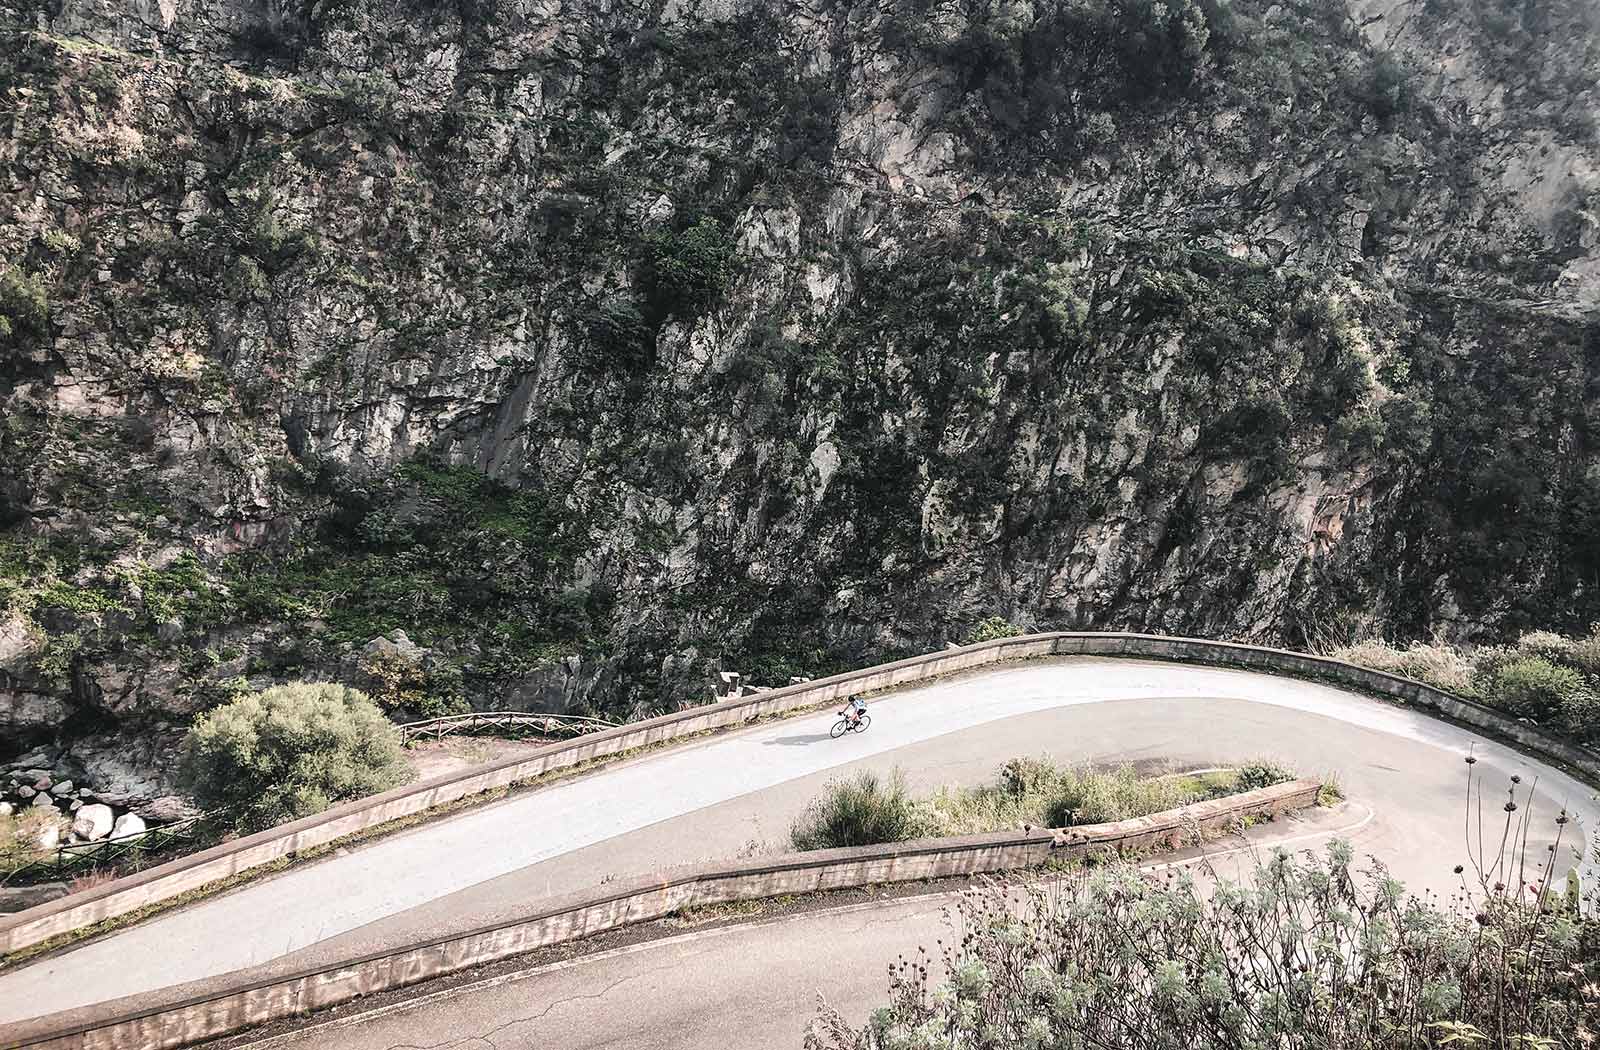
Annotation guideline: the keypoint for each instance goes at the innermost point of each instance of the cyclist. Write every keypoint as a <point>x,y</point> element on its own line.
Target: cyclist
<point>854,710</point>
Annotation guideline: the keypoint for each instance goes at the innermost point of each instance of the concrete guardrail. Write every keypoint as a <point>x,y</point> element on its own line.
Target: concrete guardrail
<point>124,895</point>
<point>130,1024</point>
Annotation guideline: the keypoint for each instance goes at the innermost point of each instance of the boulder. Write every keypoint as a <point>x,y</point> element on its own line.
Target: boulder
<point>25,792</point>
<point>63,788</point>
<point>128,765</point>
<point>127,825</point>
<point>77,804</point>
<point>166,809</point>
<point>6,809</point>
<point>18,642</point>
<point>43,782</point>
<point>93,822</point>
<point>37,757</point>
<point>395,646</point>
<point>42,801</point>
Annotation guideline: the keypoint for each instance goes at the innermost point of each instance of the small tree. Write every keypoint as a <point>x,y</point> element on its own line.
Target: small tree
<point>290,751</point>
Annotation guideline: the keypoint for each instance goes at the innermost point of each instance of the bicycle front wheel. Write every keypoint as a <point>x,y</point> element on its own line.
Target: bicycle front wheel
<point>840,728</point>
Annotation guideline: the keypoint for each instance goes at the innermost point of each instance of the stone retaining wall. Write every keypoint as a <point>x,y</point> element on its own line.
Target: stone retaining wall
<point>188,873</point>
<point>166,1025</point>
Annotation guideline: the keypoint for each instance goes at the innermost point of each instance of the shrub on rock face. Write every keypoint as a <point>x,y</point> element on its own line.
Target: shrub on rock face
<point>290,751</point>
<point>992,628</point>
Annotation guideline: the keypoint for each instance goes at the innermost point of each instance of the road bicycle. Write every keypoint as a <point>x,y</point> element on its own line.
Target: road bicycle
<point>843,725</point>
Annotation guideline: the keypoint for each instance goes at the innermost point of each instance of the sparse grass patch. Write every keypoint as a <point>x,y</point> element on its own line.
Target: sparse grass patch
<point>1440,666</point>
<point>1026,792</point>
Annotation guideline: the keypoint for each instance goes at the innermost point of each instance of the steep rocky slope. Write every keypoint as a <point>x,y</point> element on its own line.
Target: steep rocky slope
<point>598,345</point>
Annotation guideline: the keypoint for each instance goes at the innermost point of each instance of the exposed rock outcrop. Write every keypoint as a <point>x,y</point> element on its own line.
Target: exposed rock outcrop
<point>597,348</point>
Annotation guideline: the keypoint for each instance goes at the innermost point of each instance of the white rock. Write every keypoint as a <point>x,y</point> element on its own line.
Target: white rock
<point>63,788</point>
<point>25,792</point>
<point>127,824</point>
<point>6,809</point>
<point>43,801</point>
<point>93,822</point>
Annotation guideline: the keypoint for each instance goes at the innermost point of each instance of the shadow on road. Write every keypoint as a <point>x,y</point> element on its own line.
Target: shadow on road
<point>798,741</point>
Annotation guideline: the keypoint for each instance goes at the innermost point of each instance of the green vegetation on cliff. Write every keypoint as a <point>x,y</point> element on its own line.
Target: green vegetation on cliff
<point>598,350</point>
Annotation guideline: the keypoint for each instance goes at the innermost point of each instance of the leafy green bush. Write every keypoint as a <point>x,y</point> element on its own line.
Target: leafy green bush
<point>1546,677</point>
<point>619,335</point>
<point>399,684</point>
<point>1532,687</point>
<point>1580,715</point>
<point>687,269</point>
<point>288,752</point>
<point>857,811</point>
<point>1256,775</point>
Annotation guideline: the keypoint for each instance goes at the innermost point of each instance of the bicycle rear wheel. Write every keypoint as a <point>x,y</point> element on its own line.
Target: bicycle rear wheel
<point>840,728</point>
<point>862,723</point>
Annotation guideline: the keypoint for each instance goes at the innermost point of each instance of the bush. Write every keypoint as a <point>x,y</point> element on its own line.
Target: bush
<point>1532,687</point>
<point>688,269</point>
<point>1585,653</point>
<point>1546,644</point>
<point>400,684</point>
<point>1304,953</point>
<point>1580,716</point>
<point>992,628</point>
<point>857,811</point>
<point>1256,775</point>
<point>24,310</point>
<point>288,752</point>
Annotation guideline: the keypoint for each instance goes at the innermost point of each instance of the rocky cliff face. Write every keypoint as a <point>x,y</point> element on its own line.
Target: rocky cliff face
<point>595,345</point>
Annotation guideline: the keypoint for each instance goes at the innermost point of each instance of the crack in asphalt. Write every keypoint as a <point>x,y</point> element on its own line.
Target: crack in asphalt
<point>485,1038</point>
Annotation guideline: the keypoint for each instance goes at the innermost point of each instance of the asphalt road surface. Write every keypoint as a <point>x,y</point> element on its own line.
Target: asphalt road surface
<point>740,791</point>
